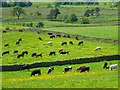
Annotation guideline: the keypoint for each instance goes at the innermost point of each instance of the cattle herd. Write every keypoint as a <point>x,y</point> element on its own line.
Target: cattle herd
<point>67,69</point>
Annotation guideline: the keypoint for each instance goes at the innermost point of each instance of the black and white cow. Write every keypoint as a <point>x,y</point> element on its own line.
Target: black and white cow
<point>66,69</point>
<point>15,51</point>
<point>52,53</point>
<point>20,55</point>
<point>35,72</point>
<point>64,43</point>
<point>80,43</point>
<point>25,52</point>
<point>6,45</point>
<point>50,70</point>
<point>33,54</point>
<point>64,52</point>
<point>5,52</point>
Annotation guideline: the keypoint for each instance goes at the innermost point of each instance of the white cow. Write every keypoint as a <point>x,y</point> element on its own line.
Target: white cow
<point>97,48</point>
<point>49,43</point>
<point>114,66</point>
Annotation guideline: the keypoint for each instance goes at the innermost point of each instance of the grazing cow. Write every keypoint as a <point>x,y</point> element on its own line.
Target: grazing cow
<point>20,55</point>
<point>60,50</point>
<point>40,38</point>
<point>49,43</point>
<point>15,51</point>
<point>6,45</point>
<point>20,39</point>
<point>25,52</point>
<point>97,48</point>
<point>76,38</point>
<point>52,53</point>
<point>34,54</point>
<point>52,36</point>
<point>64,52</point>
<point>39,55</point>
<point>68,36</point>
<point>66,69</point>
<point>80,43</point>
<point>64,43</point>
<point>58,35</point>
<point>85,69</point>
<point>35,72</point>
<point>50,70</point>
<point>70,42</point>
<point>114,66</point>
<point>50,33</point>
<point>79,68</point>
<point>5,52</point>
<point>4,31</point>
<point>105,65</point>
<point>20,30</point>
<point>17,43</point>
<point>26,66</point>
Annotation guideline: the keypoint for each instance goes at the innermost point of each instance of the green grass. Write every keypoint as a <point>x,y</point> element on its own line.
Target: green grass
<point>32,44</point>
<point>96,78</point>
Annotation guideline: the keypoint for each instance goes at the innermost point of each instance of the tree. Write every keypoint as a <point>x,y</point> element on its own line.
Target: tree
<point>87,13</point>
<point>17,11</point>
<point>53,13</point>
<point>39,24</point>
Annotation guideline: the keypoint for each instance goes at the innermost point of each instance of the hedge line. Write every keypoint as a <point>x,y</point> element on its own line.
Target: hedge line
<point>62,62</point>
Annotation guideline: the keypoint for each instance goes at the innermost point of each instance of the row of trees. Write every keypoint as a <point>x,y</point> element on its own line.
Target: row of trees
<point>13,4</point>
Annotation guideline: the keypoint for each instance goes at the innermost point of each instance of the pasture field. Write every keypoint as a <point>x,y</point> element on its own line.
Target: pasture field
<point>96,78</point>
<point>31,43</point>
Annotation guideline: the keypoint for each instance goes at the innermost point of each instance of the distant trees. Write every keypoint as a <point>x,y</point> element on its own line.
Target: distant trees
<point>92,12</point>
<point>13,4</point>
<point>53,14</point>
<point>17,11</point>
<point>78,3</point>
<point>39,24</point>
<point>72,18</point>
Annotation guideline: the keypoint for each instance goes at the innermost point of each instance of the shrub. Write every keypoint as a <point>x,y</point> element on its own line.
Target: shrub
<point>85,21</point>
<point>39,24</point>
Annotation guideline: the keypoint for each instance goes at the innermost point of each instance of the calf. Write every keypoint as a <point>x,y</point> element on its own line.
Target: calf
<point>64,52</point>
<point>35,72</point>
<point>80,43</point>
<point>66,69</point>
<point>64,43</point>
<point>33,54</point>
<point>114,66</point>
<point>15,51</point>
<point>52,53</point>
<point>71,42</point>
<point>26,66</point>
<point>50,70</point>
<point>85,69</point>
<point>6,45</point>
<point>5,52</point>
<point>20,55</point>
<point>39,55</point>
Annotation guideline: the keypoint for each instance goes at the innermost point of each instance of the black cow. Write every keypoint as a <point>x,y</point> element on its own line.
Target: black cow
<point>80,43</point>
<point>34,54</point>
<point>17,43</point>
<point>50,70</point>
<point>35,72</point>
<point>66,69</point>
<point>20,39</point>
<point>52,36</point>
<point>15,51</point>
<point>64,43</point>
<point>25,52</point>
<point>68,36</point>
<point>26,66</point>
<point>4,31</point>
<point>50,33</point>
<point>64,52</point>
<point>85,69</point>
<point>70,42</point>
<point>20,55</point>
<point>5,52</point>
<point>52,53</point>
<point>105,65</point>
<point>58,35</point>
<point>6,45</point>
<point>40,38</point>
<point>39,55</point>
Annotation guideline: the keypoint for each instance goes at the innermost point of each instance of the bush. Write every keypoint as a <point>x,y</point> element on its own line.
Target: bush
<point>39,24</point>
<point>85,21</point>
<point>7,28</point>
